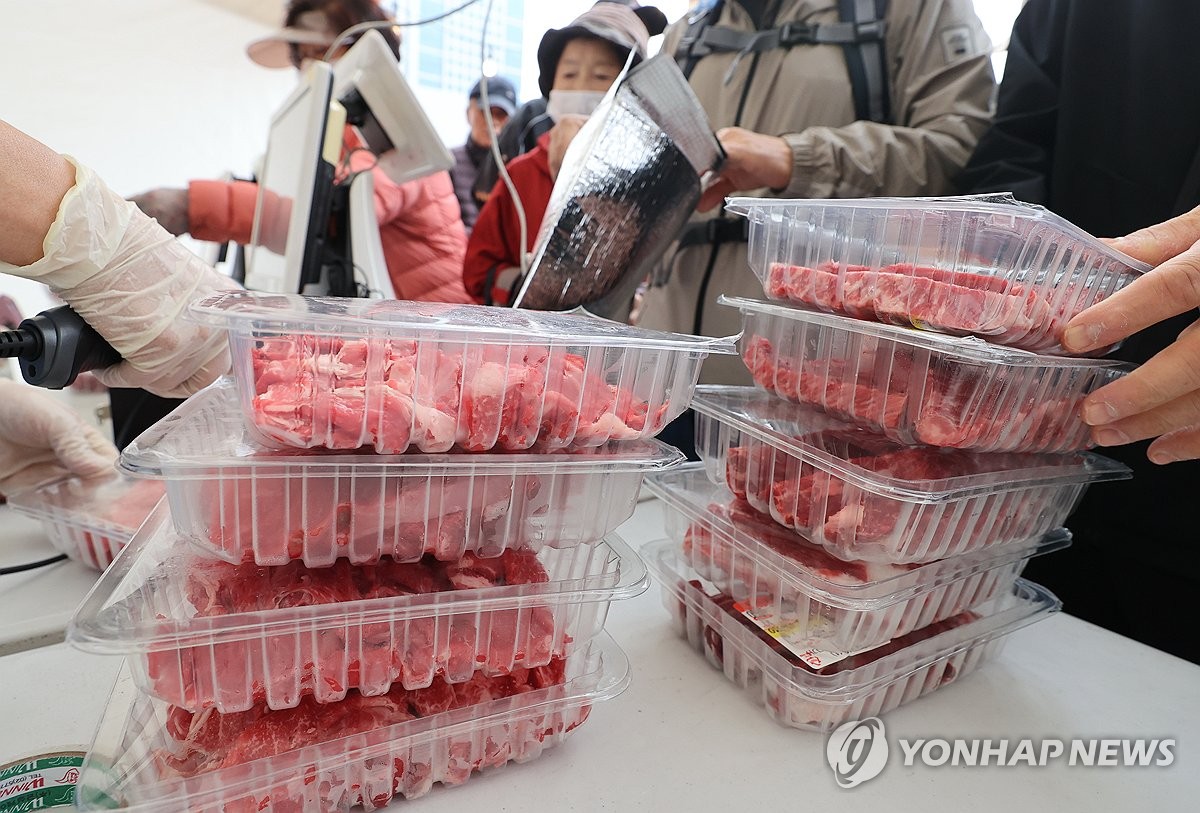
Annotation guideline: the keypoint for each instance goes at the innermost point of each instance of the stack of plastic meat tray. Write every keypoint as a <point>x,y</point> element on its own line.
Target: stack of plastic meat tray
<point>385,557</point>
<point>855,532</point>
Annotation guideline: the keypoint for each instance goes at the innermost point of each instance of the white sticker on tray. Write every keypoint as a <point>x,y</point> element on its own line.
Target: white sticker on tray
<point>789,631</point>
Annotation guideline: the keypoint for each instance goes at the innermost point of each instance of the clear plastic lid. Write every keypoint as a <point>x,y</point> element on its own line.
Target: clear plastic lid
<point>828,444</point>
<point>111,504</point>
<point>126,766</point>
<point>871,586</point>
<point>988,266</point>
<point>142,603</point>
<point>288,314</point>
<point>968,349</point>
<point>392,375</point>
<point>1000,215</point>
<point>921,388</point>
<point>206,437</point>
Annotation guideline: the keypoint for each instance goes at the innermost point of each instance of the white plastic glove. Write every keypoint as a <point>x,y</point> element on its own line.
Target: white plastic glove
<point>131,280</point>
<point>10,314</point>
<point>42,439</point>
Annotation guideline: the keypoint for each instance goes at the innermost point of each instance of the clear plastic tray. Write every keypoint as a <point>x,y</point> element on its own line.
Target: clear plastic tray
<point>242,502</point>
<point>864,497</point>
<point>195,640</point>
<point>124,769</point>
<point>920,387</point>
<point>351,373</point>
<point>89,519</point>
<point>865,685</point>
<point>837,606</point>
<point>985,266</point>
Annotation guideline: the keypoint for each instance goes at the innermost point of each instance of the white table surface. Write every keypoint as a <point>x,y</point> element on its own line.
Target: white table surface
<point>682,738</point>
<point>35,605</point>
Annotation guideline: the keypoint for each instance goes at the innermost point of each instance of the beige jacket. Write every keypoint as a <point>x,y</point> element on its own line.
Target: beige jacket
<point>942,88</point>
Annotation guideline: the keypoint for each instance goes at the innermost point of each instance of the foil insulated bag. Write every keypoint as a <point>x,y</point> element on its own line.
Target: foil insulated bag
<point>629,182</point>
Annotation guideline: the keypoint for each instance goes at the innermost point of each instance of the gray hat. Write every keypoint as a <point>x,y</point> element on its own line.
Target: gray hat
<point>626,25</point>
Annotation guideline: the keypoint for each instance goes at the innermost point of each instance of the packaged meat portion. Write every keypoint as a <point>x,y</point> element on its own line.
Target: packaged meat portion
<point>151,757</point>
<point>918,387</point>
<point>859,685</point>
<point>89,519</point>
<point>775,573</point>
<point>241,501</point>
<point>988,266</point>
<point>201,633</point>
<point>393,375</point>
<point>864,497</point>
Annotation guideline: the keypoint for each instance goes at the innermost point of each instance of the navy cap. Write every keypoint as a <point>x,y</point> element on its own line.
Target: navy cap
<point>501,93</point>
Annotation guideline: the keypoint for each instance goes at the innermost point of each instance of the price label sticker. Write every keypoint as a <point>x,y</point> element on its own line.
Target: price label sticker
<point>804,637</point>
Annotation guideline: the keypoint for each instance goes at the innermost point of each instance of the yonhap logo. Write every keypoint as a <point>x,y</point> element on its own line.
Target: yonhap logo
<point>857,751</point>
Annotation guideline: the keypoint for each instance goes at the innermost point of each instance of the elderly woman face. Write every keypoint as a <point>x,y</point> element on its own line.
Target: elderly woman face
<point>301,53</point>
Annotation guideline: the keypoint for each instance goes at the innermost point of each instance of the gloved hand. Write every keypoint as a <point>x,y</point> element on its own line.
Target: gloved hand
<point>10,314</point>
<point>42,439</point>
<point>86,382</point>
<point>168,206</point>
<point>131,280</point>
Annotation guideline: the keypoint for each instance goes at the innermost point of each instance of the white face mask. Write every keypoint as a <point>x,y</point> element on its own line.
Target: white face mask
<point>573,102</point>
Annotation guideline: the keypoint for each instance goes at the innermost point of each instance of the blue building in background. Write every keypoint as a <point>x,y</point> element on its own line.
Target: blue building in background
<point>441,60</point>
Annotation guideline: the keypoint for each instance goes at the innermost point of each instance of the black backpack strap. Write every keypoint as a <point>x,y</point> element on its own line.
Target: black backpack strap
<point>700,21</point>
<point>859,31</point>
<point>721,39</point>
<point>717,39</point>
<point>715,232</point>
<point>865,59</point>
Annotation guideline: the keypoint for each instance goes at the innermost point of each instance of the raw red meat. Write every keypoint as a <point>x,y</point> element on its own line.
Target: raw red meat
<point>854,522</point>
<point>130,509</point>
<point>391,394</point>
<point>201,743</point>
<point>726,605</point>
<point>294,659</point>
<point>95,547</point>
<point>720,562</point>
<point>794,693</point>
<point>937,404</point>
<point>708,629</point>
<point>272,520</point>
<point>957,302</point>
<point>741,571</point>
<point>898,644</point>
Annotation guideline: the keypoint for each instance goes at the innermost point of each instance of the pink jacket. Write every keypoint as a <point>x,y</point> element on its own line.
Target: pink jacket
<point>420,226</point>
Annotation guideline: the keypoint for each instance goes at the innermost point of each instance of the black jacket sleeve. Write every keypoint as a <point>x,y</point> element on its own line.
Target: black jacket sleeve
<point>1016,153</point>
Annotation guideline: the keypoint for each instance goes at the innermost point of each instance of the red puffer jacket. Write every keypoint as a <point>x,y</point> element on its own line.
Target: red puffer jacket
<point>420,226</point>
<point>494,244</point>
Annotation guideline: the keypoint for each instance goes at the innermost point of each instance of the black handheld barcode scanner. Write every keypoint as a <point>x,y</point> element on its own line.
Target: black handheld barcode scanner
<point>56,346</point>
